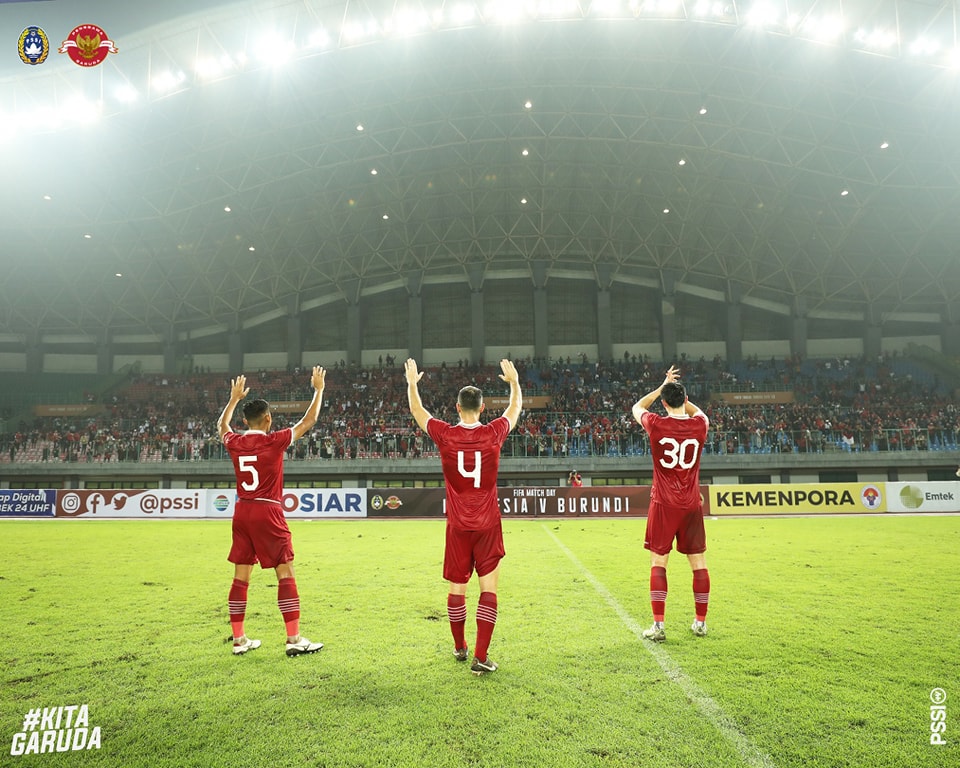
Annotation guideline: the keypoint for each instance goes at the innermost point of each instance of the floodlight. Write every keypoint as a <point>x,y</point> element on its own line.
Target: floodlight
<point>164,82</point>
<point>826,29</point>
<point>762,15</point>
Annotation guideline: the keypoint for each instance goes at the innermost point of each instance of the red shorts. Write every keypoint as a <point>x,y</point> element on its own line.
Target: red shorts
<point>666,523</point>
<point>260,533</point>
<point>466,550</point>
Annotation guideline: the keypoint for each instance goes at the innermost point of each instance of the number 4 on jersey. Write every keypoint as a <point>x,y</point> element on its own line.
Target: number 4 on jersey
<point>475,473</point>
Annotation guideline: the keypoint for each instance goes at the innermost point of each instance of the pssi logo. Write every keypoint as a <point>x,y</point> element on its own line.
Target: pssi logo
<point>87,45</point>
<point>33,46</point>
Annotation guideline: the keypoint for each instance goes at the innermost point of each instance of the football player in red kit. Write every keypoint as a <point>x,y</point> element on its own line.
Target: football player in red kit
<point>260,532</point>
<point>676,444</point>
<point>470,457</point>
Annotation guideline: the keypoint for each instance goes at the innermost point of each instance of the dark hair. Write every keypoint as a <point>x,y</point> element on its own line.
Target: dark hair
<point>470,399</point>
<point>255,410</point>
<point>673,394</point>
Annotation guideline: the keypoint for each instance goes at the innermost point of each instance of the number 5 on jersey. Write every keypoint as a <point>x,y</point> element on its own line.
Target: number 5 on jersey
<point>248,465</point>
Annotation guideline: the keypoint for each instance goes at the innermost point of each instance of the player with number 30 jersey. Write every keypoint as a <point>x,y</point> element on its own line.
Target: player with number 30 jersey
<point>675,513</point>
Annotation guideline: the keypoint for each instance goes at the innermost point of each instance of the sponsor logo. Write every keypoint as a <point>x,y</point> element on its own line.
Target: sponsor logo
<point>871,497</point>
<point>911,497</point>
<point>393,503</point>
<point>815,497</point>
<point>318,501</point>
<point>87,45</point>
<point>221,503</point>
<point>33,46</point>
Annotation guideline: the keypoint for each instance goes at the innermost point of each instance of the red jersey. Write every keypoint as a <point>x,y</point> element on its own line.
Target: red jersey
<point>470,457</point>
<point>676,445</point>
<point>258,462</point>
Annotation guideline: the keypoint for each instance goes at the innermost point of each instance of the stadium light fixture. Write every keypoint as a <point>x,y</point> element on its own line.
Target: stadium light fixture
<point>762,15</point>
<point>319,38</point>
<point>126,94</point>
<point>165,82</point>
<point>503,12</point>
<point>461,15</point>
<point>924,46</point>
<point>607,8</point>
<point>356,32</point>
<point>826,29</point>
<point>708,9</point>
<point>557,9</point>
<point>876,39</point>
<point>408,22</point>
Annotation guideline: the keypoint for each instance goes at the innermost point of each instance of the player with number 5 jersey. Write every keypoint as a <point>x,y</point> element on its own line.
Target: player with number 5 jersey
<point>260,531</point>
<point>470,458</point>
<point>675,513</point>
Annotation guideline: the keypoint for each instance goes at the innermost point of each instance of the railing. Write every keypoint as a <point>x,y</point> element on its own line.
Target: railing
<point>410,445</point>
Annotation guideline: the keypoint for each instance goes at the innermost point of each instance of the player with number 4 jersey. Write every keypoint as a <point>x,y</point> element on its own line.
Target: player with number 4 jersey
<point>470,457</point>
<point>675,513</point>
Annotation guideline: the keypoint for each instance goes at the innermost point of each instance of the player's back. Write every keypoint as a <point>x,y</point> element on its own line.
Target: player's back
<point>676,445</point>
<point>470,457</point>
<point>258,462</point>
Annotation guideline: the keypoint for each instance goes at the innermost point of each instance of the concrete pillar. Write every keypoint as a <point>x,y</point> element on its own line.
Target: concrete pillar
<point>104,354</point>
<point>798,328</point>
<point>604,322</point>
<point>415,326</point>
<point>34,342</point>
<point>541,342</point>
<point>734,330</point>
<point>873,331</point>
<point>668,320</point>
<point>478,340</point>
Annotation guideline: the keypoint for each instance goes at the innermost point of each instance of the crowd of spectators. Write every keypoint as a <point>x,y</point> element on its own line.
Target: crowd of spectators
<point>886,404</point>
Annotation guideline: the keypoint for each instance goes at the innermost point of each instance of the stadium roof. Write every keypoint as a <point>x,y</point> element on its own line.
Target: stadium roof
<point>807,160</point>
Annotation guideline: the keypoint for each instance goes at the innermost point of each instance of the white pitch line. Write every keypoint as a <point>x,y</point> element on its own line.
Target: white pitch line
<point>751,754</point>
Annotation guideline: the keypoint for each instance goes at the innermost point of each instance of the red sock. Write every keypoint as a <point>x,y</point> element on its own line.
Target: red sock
<point>457,613</point>
<point>237,606</point>
<point>288,601</point>
<point>701,592</point>
<point>658,591</point>
<point>486,620</point>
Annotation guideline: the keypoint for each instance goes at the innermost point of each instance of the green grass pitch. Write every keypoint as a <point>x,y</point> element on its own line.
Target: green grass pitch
<point>827,636</point>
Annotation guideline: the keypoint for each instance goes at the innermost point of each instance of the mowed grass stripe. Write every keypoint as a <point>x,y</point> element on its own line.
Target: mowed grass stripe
<point>826,634</point>
<point>748,751</point>
<point>129,617</point>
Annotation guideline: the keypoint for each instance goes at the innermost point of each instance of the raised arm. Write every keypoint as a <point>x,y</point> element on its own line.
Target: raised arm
<point>318,378</point>
<point>238,391</point>
<point>643,404</point>
<point>515,405</point>
<point>420,414</point>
